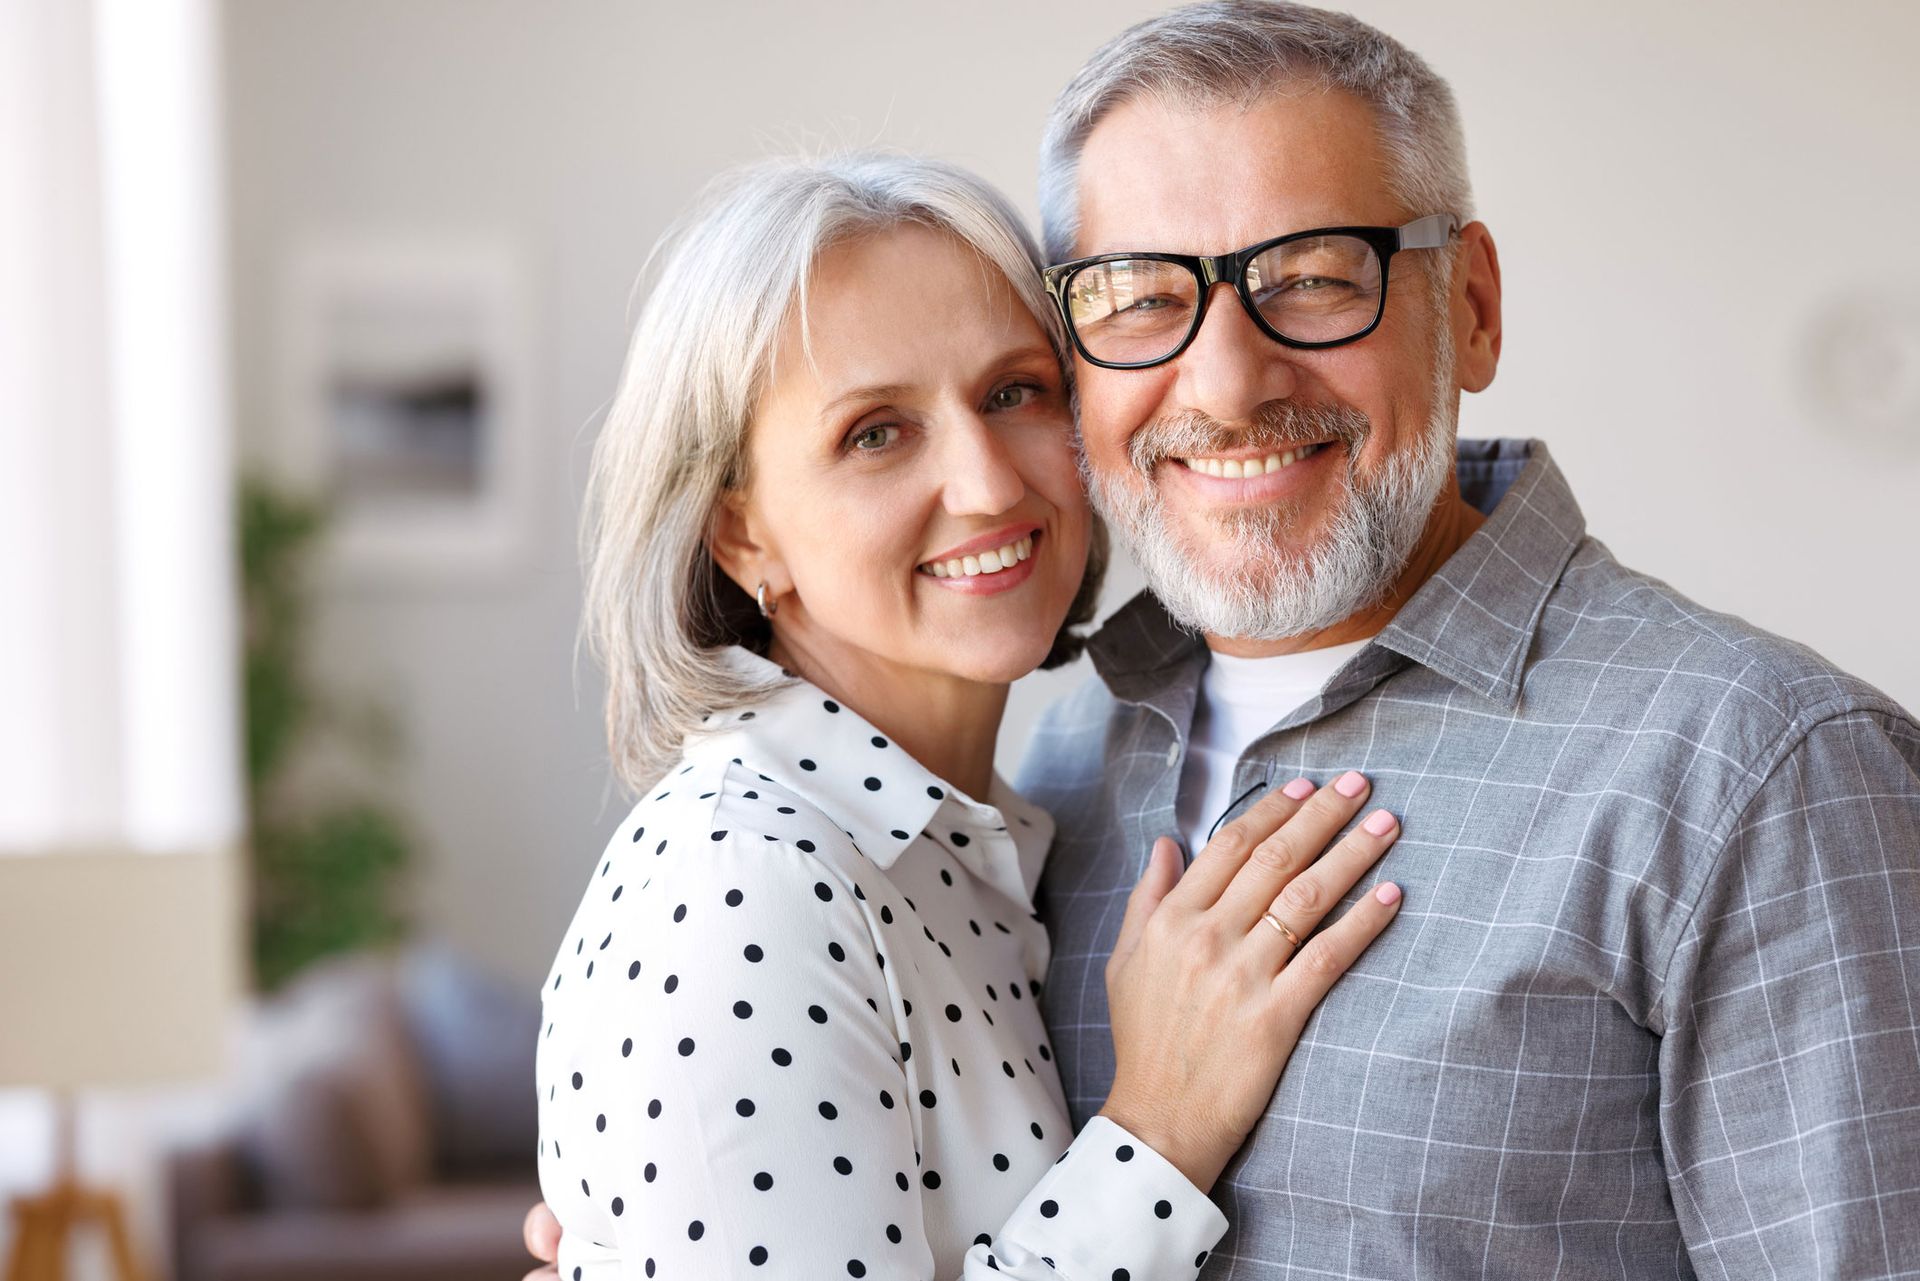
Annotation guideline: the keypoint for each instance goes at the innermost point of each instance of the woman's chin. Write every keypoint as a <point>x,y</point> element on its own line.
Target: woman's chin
<point>998,660</point>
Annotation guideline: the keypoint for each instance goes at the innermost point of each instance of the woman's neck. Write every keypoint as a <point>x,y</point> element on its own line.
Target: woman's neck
<point>947,723</point>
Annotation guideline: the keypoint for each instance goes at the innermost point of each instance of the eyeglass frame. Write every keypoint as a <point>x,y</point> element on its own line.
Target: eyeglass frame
<point>1434,231</point>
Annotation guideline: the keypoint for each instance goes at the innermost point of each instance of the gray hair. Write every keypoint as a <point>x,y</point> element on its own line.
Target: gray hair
<point>658,612</point>
<point>1240,51</point>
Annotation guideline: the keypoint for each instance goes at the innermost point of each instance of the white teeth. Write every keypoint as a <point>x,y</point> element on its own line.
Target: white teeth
<point>988,562</point>
<point>1236,469</point>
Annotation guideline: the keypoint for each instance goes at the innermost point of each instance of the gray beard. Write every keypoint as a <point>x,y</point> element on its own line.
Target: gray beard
<point>1252,580</point>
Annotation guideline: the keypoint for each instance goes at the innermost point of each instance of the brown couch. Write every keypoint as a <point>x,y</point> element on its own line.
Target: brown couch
<point>386,1128</point>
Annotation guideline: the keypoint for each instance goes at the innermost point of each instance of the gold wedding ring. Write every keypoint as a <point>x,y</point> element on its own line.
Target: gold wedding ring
<point>1292,939</point>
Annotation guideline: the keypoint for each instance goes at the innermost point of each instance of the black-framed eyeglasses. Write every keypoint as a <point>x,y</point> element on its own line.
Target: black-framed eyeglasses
<point>1310,289</point>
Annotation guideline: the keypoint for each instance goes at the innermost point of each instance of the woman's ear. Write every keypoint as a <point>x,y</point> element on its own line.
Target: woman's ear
<point>738,545</point>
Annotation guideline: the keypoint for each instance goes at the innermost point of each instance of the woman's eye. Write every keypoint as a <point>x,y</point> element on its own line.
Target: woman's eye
<point>872,438</point>
<point>1012,396</point>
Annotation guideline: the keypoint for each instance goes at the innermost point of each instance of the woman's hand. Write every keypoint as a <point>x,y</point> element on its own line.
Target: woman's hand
<point>1207,997</point>
<point>541,1232</point>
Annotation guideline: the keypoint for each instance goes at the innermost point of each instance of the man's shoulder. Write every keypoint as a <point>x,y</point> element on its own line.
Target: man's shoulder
<point>1066,750</point>
<point>1625,635</point>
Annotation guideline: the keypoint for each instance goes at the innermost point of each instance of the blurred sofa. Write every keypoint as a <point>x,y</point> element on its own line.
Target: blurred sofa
<point>385,1128</point>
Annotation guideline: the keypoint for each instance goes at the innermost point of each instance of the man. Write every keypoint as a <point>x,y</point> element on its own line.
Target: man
<point>1651,1008</point>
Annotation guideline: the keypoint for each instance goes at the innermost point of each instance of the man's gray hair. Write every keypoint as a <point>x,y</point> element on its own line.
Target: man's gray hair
<point>1239,51</point>
<point>658,612</point>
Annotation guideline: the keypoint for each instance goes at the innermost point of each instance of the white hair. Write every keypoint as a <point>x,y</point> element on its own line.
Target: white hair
<point>1240,51</point>
<point>658,612</point>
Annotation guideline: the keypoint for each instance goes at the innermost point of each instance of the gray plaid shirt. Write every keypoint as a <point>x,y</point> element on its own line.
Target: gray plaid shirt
<point>1652,1005</point>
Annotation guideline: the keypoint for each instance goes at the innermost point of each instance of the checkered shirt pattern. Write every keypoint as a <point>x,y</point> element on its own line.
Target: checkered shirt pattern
<point>1651,1007</point>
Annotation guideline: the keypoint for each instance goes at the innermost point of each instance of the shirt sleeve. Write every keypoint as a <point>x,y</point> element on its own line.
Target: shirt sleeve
<point>1790,1063</point>
<point>758,1124</point>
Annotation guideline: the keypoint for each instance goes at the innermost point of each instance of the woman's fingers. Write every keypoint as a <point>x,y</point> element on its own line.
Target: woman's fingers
<point>1162,874</point>
<point>1305,900</point>
<point>1213,868</point>
<point>1282,857</point>
<point>1299,987</point>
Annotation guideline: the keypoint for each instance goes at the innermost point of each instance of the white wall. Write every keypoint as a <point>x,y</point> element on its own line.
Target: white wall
<point>1676,190</point>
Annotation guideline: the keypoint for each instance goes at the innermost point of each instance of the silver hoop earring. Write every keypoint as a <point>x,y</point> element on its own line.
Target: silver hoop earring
<point>760,598</point>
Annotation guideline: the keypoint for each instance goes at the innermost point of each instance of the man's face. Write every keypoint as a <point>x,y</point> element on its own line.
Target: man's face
<point>1269,554</point>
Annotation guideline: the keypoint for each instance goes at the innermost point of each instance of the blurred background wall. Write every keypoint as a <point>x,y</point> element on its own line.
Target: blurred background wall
<point>1704,214</point>
<point>1688,199</point>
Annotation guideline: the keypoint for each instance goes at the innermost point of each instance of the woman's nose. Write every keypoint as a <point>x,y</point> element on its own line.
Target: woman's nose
<point>978,473</point>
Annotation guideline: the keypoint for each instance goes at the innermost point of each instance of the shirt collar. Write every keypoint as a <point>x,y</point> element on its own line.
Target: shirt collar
<point>816,747</point>
<point>1471,622</point>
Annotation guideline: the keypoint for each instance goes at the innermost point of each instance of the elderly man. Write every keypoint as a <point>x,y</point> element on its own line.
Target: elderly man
<point>1651,1008</point>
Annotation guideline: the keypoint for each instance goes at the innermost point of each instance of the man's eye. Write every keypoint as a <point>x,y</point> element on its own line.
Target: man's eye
<point>873,438</point>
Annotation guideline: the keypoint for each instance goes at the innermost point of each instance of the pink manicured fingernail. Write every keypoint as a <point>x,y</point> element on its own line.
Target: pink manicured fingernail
<point>1350,784</point>
<point>1379,823</point>
<point>1388,893</point>
<point>1299,789</point>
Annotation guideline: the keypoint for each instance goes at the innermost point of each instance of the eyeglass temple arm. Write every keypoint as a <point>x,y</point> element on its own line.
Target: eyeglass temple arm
<point>1430,232</point>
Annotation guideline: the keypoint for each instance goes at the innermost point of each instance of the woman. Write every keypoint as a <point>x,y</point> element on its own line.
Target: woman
<point>792,1029</point>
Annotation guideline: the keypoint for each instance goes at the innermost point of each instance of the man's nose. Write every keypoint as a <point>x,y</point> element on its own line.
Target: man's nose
<point>979,476</point>
<point>1232,368</point>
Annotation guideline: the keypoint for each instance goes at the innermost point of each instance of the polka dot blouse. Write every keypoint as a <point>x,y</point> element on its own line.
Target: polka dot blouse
<point>793,1031</point>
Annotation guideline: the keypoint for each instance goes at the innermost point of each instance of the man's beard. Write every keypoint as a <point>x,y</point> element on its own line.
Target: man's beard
<point>1251,580</point>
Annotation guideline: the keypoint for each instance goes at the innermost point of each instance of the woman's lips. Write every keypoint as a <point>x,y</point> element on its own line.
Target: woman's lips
<point>977,575</point>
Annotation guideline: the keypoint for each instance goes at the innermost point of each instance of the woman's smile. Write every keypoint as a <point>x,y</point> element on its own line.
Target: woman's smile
<point>992,563</point>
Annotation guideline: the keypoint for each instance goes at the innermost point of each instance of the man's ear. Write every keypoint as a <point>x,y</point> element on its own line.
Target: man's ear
<point>1476,309</point>
<point>737,544</point>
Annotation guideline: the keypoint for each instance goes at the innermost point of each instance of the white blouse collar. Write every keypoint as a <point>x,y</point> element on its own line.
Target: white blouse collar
<point>884,799</point>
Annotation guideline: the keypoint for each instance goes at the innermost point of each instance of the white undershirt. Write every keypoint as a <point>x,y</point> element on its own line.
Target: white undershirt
<point>1241,699</point>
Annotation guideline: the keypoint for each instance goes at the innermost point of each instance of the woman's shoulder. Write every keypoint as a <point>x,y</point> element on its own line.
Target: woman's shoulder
<point>704,805</point>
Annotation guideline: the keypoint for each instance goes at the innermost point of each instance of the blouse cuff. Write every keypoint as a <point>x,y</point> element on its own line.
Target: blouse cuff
<point>1110,1208</point>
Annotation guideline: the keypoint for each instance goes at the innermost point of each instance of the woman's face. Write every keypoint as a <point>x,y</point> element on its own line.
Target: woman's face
<point>926,440</point>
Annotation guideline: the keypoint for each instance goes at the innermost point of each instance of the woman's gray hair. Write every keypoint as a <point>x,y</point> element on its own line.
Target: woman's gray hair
<point>658,612</point>
<point>1240,51</point>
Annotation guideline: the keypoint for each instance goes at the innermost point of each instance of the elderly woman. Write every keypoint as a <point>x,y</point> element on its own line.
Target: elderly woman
<point>792,1028</point>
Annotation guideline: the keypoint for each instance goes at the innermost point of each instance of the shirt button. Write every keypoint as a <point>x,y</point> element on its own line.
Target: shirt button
<point>1173,752</point>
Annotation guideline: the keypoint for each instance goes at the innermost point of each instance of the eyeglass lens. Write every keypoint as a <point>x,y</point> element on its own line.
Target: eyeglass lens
<point>1132,310</point>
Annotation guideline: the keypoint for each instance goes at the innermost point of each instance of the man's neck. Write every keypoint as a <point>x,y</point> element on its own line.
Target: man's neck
<point>1452,523</point>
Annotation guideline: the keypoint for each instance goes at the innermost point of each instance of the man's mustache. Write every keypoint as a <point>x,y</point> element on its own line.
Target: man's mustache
<point>1276,425</point>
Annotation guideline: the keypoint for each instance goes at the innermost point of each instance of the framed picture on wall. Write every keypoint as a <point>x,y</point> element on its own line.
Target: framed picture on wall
<point>404,401</point>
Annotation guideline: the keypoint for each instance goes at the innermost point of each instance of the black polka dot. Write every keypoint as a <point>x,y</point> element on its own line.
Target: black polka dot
<point>899,835</point>
<point>886,1099</point>
<point>843,1165</point>
<point>855,1268</point>
<point>696,1230</point>
<point>931,1180</point>
<point>893,1233</point>
<point>872,784</point>
<point>928,1098</point>
<point>578,1080</point>
<point>617,1207</point>
<point>600,1123</point>
<point>900,1178</point>
<point>828,1111</point>
<point>734,898</point>
<point>953,1013</point>
<point>806,847</point>
<point>672,984</point>
<point>686,1046</point>
<point>831,706</point>
<point>806,764</point>
<point>781,1058</point>
<point>753,953</point>
<point>757,1255</point>
<point>720,835</point>
<point>626,1048</point>
<point>741,1010</point>
<point>1162,1209</point>
<point>651,1172</point>
<point>1049,1208</point>
<point>653,1110</point>
<point>936,793</point>
<point>1000,1162</point>
<point>680,914</point>
<point>633,971</point>
<point>763,1181</point>
<point>823,891</point>
<point>817,1014</point>
<point>744,1107</point>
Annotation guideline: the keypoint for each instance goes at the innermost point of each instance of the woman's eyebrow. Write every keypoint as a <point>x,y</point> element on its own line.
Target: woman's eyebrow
<point>877,391</point>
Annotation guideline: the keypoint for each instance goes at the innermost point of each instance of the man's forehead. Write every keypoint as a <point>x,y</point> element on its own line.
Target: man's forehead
<point>1206,179</point>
